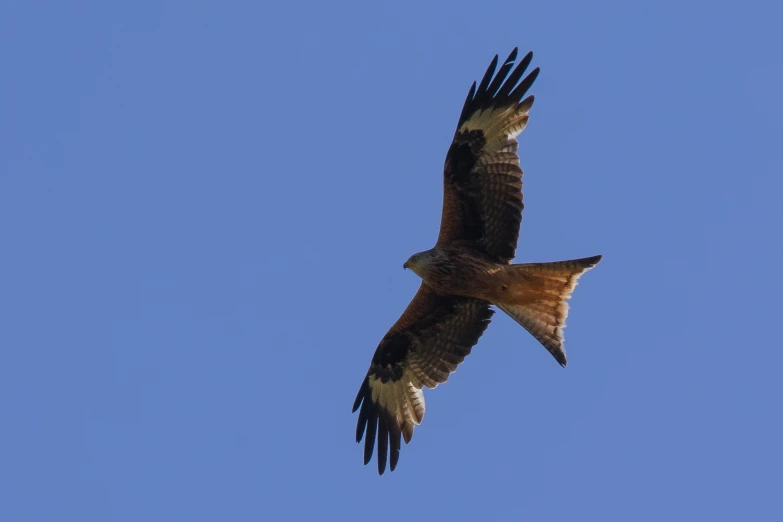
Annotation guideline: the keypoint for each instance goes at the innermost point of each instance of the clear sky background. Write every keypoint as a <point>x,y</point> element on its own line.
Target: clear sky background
<point>204,210</point>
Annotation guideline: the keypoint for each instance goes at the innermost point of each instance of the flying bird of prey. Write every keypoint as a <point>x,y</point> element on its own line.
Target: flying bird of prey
<point>469,268</point>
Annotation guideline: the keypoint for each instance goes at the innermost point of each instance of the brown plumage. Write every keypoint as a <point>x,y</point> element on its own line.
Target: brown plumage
<point>469,268</point>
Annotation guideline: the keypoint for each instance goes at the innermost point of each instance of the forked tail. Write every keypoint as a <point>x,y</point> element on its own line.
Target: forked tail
<point>538,299</point>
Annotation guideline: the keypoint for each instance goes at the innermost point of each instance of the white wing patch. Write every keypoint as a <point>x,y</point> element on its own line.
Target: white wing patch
<point>500,124</point>
<point>402,400</point>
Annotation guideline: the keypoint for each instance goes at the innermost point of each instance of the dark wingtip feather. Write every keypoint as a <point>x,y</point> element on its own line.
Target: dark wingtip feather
<point>383,443</point>
<point>527,103</point>
<point>360,396</point>
<point>361,425</point>
<point>503,89</point>
<point>493,88</point>
<point>394,439</point>
<point>524,85</point>
<point>466,106</point>
<point>487,77</point>
<point>369,417</point>
<point>376,421</point>
<point>513,79</point>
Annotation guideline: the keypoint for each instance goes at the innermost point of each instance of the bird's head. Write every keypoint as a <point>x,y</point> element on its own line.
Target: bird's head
<point>417,261</point>
<point>411,262</point>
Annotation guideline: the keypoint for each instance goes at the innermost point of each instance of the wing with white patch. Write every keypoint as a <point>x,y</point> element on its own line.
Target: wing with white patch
<point>431,338</point>
<point>482,193</point>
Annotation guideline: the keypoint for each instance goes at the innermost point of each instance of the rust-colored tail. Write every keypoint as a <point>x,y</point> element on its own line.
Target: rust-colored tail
<point>538,299</point>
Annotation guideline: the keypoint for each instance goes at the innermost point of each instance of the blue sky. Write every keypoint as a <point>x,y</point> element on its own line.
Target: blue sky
<point>204,210</point>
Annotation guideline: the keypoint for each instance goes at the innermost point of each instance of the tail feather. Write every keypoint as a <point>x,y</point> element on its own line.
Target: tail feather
<point>539,300</point>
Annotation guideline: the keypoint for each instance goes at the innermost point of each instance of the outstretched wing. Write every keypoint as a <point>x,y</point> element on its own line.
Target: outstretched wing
<point>431,338</point>
<point>482,194</point>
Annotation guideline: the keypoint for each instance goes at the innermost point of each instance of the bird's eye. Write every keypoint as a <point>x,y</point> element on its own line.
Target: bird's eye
<point>415,258</point>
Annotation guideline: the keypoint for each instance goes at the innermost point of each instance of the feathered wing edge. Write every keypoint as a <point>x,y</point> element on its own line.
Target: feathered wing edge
<point>482,198</point>
<point>425,346</point>
<point>496,107</point>
<point>377,416</point>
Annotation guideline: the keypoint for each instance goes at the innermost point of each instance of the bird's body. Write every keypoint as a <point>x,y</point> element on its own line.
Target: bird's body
<point>460,270</point>
<point>468,270</point>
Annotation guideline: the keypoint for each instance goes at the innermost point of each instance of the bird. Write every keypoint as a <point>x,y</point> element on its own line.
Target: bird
<point>469,269</point>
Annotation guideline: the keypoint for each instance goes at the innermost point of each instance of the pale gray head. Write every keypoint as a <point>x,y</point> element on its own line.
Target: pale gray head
<point>418,262</point>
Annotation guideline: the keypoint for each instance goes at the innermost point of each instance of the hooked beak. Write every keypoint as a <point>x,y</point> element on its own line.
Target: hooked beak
<point>405,265</point>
